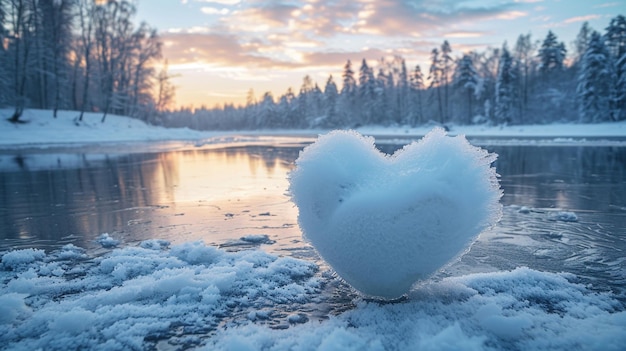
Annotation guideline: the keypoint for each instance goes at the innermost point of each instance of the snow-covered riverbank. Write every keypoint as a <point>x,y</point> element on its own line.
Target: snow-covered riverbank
<point>42,129</point>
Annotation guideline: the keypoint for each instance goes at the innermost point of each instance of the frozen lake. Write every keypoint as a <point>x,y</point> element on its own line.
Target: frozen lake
<point>219,193</point>
<point>564,205</point>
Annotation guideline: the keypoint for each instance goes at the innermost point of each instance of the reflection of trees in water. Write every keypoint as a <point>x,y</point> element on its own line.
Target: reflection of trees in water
<point>266,156</point>
<point>85,201</point>
<point>104,194</point>
<point>579,177</point>
<point>576,177</point>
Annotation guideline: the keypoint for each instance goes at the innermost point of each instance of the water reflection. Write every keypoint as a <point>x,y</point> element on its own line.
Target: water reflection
<point>48,201</point>
<point>221,194</point>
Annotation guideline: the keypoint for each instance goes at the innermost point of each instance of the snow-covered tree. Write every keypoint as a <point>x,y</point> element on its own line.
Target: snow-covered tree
<point>348,93</point>
<point>615,39</point>
<point>466,79</point>
<point>523,56</point>
<point>331,96</point>
<point>366,92</point>
<point>267,112</point>
<point>595,82</point>
<point>581,43</point>
<point>416,87</point>
<point>551,54</point>
<point>446,72</point>
<point>435,77</point>
<point>505,88</point>
<point>615,36</point>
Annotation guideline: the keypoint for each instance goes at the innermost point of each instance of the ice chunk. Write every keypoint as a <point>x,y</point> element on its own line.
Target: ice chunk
<point>107,241</point>
<point>384,222</point>
<point>563,216</point>
<point>14,259</point>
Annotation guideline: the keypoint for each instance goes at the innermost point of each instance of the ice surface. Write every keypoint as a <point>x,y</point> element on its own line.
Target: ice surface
<point>191,295</point>
<point>564,216</point>
<point>384,222</point>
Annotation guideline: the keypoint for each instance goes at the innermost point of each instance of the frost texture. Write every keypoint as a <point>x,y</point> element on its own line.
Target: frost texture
<point>134,296</point>
<point>63,301</point>
<point>518,310</point>
<point>384,222</point>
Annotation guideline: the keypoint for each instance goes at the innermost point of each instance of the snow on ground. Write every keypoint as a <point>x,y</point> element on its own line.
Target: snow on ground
<point>42,129</point>
<point>197,296</point>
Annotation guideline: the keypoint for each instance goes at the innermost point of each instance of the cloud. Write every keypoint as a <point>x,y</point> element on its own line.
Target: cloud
<point>464,34</point>
<point>297,35</point>
<point>581,19</point>
<point>220,50</point>
<point>509,15</point>
<point>220,2</point>
<point>214,11</point>
<point>607,4</point>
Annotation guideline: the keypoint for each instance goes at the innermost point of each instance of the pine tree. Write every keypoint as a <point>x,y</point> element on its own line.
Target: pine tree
<point>619,91</point>
<point>416,87</point>
<point>466,79</point>
<point>582,42</point>
<point>434,75</point>
<point>403,91</point>
<point>551,54</point>
<point>331,96</point>
<point>348,92</point>
<point>615,39</point>
<point>267,116</point>
<point>505,83</point>
<point>615,36</point>
<point>366,92</point>
<point>594,82</point>
<point>524,58</point>
<point>446,71</point>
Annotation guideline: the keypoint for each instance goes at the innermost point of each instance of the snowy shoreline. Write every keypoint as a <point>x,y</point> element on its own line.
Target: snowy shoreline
<point>197,296</point>
<point>42,131</point>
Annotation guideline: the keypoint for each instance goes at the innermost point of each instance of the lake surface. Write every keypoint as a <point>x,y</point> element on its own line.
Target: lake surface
<point>219,193</point>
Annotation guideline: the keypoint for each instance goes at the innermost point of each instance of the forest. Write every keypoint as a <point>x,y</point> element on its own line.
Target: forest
<point>88,55</point>
<point>528,82</point>
<point>83,55</point>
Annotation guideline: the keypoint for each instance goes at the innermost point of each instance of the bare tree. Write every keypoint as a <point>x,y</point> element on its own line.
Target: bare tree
<point>85,16</point>
<point>21,21</point>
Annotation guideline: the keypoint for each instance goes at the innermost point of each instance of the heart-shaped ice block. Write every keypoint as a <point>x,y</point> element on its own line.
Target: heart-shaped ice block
<point>384,222</point>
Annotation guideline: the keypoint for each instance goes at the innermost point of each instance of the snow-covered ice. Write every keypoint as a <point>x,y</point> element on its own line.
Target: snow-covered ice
<point>62,301</point>
<point>197,296</point>
<point>384,222</point>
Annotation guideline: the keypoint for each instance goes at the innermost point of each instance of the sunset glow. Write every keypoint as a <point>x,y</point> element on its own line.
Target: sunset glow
<point>220,49</point>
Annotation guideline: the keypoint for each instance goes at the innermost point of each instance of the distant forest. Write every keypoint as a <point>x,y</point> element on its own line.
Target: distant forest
<point>83,55</point>
<point>531,81</point>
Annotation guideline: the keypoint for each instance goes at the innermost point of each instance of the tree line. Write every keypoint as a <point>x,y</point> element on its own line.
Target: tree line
<point>83,55</point>
<point>531,81</point>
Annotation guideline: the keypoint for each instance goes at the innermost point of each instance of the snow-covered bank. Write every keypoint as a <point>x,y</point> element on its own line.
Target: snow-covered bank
<point>197,296</point>
<point>42,129</point>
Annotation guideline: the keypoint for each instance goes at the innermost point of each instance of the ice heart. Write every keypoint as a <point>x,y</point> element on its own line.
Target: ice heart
<point>384,222</point>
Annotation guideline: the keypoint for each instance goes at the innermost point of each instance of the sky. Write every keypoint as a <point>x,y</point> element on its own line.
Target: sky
<point>217,50</point>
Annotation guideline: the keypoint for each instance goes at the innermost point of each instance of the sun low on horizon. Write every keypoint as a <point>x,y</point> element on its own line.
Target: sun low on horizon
<point>220,50</point>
